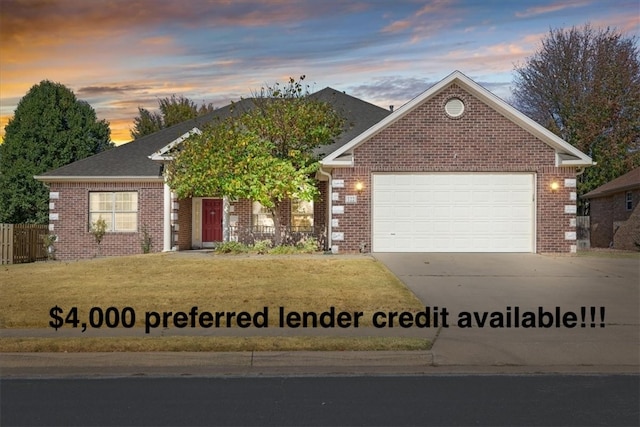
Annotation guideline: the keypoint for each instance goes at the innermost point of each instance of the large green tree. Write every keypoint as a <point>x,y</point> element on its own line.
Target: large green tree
<point>171,110</point>
<point>583,84</point>
<point>263,154</point>
<point>50,128</point>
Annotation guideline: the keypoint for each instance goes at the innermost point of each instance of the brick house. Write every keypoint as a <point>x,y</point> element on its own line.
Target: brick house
<point>454,170</point>
<point>125,185</point>
<point>614,213</point>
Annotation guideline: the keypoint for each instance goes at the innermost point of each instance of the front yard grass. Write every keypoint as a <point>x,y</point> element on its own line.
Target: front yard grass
<point>174,282</point>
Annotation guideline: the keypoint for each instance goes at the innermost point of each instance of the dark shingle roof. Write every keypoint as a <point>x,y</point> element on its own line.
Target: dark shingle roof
<point>359,115</point>
<point>626,182</point>
<point>132,159</point>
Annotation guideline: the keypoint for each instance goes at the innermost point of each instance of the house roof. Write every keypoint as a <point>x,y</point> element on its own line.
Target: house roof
<point>359,115</point>
<point>566,154</point>
<point>133,161</point>
<point>626,182</point>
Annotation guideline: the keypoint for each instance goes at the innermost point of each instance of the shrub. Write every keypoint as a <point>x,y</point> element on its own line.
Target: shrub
<point>232,248</point>
<point>308,245</point>
<point>48,242</point>
<point>99,229</point>
<point>284,250</point>
<point>262,246</point>
<point>145,242</point>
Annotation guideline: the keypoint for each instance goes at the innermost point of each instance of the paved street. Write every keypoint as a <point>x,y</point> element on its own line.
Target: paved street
<point>280,401</point>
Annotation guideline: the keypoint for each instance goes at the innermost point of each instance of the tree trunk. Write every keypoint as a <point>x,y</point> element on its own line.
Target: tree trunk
<point>275,211</point>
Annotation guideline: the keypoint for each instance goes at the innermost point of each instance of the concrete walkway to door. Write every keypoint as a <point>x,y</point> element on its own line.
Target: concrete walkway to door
<point>501,282</point>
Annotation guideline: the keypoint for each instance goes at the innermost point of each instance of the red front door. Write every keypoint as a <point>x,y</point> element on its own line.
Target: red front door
<point>211,220</point>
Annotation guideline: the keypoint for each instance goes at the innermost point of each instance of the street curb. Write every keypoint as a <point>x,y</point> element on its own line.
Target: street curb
<point>292,363</point>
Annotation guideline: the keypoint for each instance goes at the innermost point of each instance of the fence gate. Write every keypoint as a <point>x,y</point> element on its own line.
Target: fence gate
<point>22,243</point>
<point>6,243</point>
<point>583,233</point>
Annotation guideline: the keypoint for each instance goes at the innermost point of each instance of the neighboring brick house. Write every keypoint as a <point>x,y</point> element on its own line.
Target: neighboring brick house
<point>454,170</point>
<point>614,213</point>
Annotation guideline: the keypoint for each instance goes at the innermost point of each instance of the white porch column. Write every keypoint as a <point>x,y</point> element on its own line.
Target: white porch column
<point>167,219</point>
<point>225,219</point>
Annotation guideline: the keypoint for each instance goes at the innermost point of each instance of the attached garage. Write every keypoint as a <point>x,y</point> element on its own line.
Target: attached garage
<point>453,212</point>
<point>456,169</point>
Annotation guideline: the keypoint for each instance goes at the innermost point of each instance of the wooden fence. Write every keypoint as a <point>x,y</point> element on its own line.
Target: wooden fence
<point>583,232</point>
<point>22,243</point>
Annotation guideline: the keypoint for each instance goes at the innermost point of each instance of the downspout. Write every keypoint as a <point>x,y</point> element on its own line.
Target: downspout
<point>166,245</point>
<point>330,206</point>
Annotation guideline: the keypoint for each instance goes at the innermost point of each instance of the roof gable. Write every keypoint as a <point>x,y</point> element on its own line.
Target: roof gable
<point>566,154</point>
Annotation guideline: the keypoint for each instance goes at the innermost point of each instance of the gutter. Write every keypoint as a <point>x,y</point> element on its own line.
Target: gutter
<point>51,178</point>
<point>330,205</point>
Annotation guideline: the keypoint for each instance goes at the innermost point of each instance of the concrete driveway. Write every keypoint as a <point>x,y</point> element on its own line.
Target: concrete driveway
<point>497,284</point>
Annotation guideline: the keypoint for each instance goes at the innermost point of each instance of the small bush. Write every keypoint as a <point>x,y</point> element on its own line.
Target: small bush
<point>308,245</point>
<point>99,229</point>
<point>284,250</point>
<point>48,242</point>
<point>232,248</point>
<point>262,246</point>
<point>145,242</point>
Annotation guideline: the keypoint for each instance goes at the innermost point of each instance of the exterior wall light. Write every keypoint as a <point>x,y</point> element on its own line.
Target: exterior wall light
<point>359,186</point>
<point>555,186</point>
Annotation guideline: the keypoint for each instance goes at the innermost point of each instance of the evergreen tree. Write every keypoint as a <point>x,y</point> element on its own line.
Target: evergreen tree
<point>50,128</point>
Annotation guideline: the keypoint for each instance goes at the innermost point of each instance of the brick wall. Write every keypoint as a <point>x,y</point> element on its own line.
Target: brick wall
<point>610,213</point>
<point>481,140</point>
<point>69,220</point>
<point>184,224</point>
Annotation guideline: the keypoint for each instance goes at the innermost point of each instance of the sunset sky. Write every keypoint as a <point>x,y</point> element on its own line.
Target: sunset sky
<point>119,55</point>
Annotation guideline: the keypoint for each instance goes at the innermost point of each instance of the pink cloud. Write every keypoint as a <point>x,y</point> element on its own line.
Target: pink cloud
<point>549,8</point>
<point>428,20</point>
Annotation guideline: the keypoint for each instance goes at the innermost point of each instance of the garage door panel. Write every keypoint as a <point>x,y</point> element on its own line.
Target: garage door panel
<point>465,212</point>
<point>404,227</point>
<point>423,227</point>
<point>440,197</point>
<point>481,197</point>
<point>403,197</point>
<point>385,227</point>
<point>460,196</point>
<point>384,196</point>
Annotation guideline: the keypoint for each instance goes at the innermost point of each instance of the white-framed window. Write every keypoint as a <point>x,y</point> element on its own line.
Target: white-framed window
<point>629,200</point>
<point>118,208</point>
<point>261,218</point>
<point>301,215</point>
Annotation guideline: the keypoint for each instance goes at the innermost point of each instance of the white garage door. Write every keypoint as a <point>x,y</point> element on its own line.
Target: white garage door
<point>462,212</point>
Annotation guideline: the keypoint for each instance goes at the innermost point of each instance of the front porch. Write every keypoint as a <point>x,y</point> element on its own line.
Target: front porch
<point>205,222</point>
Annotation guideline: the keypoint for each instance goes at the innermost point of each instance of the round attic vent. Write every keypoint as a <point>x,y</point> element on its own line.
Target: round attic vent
<point>454,107</point>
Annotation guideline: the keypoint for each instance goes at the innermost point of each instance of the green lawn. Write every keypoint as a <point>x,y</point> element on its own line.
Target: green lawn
<point>173,282</point>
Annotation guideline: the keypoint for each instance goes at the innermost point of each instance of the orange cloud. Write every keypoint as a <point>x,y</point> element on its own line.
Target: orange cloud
<point>397,26</point>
